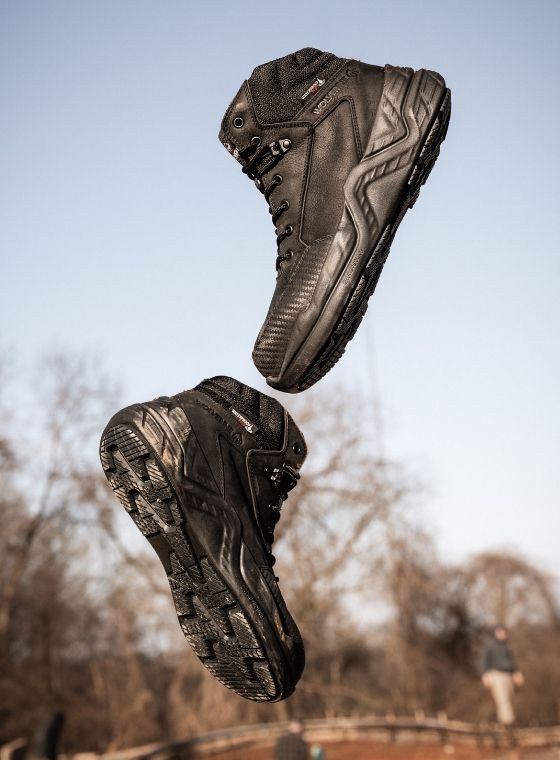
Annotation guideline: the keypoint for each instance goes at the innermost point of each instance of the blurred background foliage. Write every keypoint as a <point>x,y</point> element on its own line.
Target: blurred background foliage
<point>87,624</point>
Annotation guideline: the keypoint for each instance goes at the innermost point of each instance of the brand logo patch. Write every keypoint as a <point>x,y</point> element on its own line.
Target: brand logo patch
<point>244,422</point>
<point>334,92</point>
<point>315,86</point>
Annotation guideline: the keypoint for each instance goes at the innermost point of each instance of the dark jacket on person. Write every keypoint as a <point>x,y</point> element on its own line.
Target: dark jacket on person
<point>290,747</point>
<point>498,656</point>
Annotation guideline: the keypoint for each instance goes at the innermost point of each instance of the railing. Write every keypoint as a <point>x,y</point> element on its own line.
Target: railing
<point>419,730</point>
<point>379,730</point>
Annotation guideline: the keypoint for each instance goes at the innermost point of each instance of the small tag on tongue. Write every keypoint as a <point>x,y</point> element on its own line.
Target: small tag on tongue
<point>244,422</point>
<point>313,88</point>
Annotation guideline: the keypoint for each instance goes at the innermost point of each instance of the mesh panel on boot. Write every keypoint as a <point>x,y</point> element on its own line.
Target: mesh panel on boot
<point>277,86</point>
<point>264,411</point>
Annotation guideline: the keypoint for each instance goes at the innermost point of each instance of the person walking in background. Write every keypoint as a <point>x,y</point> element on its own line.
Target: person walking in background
<point>292,746</point>
<point>500,674</point>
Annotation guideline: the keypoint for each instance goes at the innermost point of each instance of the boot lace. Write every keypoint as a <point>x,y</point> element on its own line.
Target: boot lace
<point>259,160</point>
<point>284,479</point>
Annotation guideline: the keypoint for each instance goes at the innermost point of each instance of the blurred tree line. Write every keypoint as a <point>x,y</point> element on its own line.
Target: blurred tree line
<point>87,625</point>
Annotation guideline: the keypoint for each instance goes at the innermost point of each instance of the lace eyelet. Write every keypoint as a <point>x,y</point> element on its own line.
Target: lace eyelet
<point>278,179</point>
<point>238,122</point>
<point>288,229</point>
<point>286,143</point>
<point>255,140</point>
<point>285,205</point>
<point>296,448</point>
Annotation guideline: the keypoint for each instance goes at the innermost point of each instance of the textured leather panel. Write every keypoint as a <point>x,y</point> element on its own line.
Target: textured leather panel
<point>373,189</point>
<point>405,148</point>
<point>366,91</point>
<point>334,154</point>
<point>277,332</point>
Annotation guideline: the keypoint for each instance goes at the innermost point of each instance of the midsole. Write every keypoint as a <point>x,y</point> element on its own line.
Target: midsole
<point>387,172</point>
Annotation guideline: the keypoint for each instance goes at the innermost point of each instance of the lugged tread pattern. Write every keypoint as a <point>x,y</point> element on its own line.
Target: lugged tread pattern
<point>358,302</point>
<point>211,618</point>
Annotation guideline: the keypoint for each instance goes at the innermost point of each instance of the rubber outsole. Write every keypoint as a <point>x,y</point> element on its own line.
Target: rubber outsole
<point>211,617</point>
<point>357,303</point>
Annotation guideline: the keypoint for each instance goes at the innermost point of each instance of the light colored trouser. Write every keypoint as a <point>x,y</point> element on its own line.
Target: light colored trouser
<point>501,688</point>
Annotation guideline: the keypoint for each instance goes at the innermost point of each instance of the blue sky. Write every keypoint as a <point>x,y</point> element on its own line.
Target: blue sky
<point>127,230</point>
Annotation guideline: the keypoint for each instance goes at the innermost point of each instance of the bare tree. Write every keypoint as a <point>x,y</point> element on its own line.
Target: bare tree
<point>86,619</point>
<point>506,588</point>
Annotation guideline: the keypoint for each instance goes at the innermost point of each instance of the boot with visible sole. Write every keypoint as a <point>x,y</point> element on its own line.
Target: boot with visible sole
<point>203,474</point>
<point>340,150</point>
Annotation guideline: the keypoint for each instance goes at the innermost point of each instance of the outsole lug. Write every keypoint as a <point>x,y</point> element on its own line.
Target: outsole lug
<point>211,618</point>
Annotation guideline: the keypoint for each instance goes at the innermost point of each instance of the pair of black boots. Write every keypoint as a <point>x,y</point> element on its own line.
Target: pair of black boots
<point>340,150</point>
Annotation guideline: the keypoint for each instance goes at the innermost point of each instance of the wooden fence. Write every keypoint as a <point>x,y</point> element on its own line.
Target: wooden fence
<point>402,730</point>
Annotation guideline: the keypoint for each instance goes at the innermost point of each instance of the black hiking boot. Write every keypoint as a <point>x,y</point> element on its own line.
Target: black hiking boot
<point>340,150</point>
<point>203,474</point>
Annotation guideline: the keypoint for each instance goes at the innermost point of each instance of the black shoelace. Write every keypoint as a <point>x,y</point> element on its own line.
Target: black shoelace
<point>284,479</point>
<point>259,160</point>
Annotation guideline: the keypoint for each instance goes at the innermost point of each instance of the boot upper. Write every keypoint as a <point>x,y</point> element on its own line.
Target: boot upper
<point>297,126</point>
